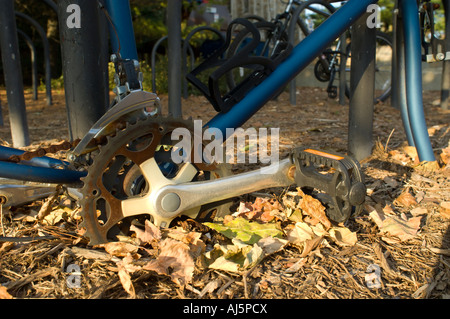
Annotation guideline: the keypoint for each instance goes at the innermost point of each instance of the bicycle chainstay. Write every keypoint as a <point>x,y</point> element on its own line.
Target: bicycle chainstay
<point>339,177</point>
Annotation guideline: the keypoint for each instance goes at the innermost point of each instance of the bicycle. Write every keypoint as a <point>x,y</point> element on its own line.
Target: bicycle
<point>282,30</point>
<point>338,55</point>
<point>121,170</point>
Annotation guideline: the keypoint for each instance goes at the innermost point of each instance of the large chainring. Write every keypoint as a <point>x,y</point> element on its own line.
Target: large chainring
<point>125,169</point>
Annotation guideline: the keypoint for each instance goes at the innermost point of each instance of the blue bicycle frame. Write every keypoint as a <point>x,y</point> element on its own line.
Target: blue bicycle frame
<point>48,170</point>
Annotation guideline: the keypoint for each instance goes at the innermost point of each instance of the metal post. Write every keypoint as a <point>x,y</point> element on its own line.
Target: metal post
<point>82,68</point>
<point>34,76</point>
<point>12,70</point>
<point>413,67</point>
<point>174,69</point>
<point>398,97</point>
<point>445,86</point>
<point>46,45</point>
<point>362,86</point>
<point>343,70</point>
<point>1,114</point>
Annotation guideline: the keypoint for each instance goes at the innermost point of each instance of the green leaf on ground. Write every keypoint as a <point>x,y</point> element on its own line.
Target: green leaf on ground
<point>247,231</point>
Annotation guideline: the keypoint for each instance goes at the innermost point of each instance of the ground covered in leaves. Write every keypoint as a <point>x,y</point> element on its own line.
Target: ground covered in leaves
<point>275,244</point>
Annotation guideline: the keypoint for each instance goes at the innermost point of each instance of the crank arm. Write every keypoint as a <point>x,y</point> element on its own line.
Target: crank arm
<point>174,199</point>
<point>17,193</point>
<point>170,198</point>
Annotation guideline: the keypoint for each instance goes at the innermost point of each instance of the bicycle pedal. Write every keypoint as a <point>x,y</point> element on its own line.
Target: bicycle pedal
<point>339,177</point>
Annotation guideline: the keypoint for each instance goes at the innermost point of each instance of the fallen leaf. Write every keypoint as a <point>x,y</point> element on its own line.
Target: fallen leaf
<point>387,210</point>
<point>390,181</point>
<point>271,245</point>
<point>444,209</point>
<point>419,211</point>
<point>4,294</point>
<point>399,156</point>
<point>300,233</point>
<point>120,249</point>
<point>192,239</point>
<point>174,260</point>
<point>405,199</point>
<point>125,280</point>
<point>293,268</point>
<point>313,208</point>
<point>150,234</point>
<point>397,227</point>
<point>343,236</point>
<point>411,151</point>
<point>445,155</point>
<point>262,209</point>
<point>310,245</point>
<point>247,231</point>
<point>235,258</point>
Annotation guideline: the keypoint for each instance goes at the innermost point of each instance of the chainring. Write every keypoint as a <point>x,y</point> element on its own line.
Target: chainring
<point>116,175</point>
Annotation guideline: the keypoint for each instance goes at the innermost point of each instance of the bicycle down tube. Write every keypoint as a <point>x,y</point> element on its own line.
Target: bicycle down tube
<point>301,56</point>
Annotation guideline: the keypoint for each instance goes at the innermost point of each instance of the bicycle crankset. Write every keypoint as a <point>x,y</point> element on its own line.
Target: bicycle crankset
<point>133,177</point>
<point>128,171</point>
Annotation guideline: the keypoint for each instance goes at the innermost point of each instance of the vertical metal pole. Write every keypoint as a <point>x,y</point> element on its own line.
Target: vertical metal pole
<point>1,114</point>
<point>343,70</point>
<point>413,67</point>
<point>362,86</point>
<point>445,86</point>
<point>174,69</point>
<point>83,67</point>
<point>398,97</point>
<point>12,70</point>
<point>45,43</point>
<point>104,51</point>
<point>34,76</point>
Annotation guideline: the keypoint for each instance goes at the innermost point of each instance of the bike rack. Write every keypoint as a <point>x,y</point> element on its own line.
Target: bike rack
<point>46,45</point>
<point>34,75</point>
<point>86,89</point>
<point>186,46</point>
<point>13,75</point>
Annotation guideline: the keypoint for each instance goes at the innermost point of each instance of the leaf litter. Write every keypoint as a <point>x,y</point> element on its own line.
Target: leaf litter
<point>277,246</point>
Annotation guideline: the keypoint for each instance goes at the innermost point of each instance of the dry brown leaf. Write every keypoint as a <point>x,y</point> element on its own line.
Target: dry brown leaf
<point>300,233</point>
<point>310,245</point>
<point>192,239</point>
<point>444,209</point>
<point>419,211</point>
<point>411,151</point>
<point>390,181</point>
<point>445,155</point>
<point>405,199</point>
<point>120,249</point>
<point>4,294</point>
<point>343,236</point>
<point>125,280</point>
<point>313,208</point>
<point>262,210</point>
<point>399,156</point>
<point>149,235</point>
<point>388,210</point>
<point>174,260</point>
<point>396,227</point>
